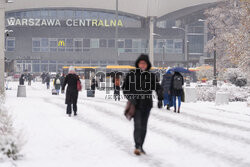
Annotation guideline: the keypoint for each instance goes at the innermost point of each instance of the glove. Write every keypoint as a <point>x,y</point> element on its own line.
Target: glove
<point>160,104</point>
<point>62,91</point>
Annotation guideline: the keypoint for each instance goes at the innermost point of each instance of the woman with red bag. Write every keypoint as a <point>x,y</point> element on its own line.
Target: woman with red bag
<point>74,85</point>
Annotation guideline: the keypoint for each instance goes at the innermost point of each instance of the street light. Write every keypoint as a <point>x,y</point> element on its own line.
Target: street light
<point>186,43</point>
<point>214,36</point>
<point>2,41</point>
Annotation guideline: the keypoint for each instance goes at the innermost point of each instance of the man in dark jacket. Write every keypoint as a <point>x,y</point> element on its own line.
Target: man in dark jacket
<point>166,82</point>
<point>22,79</point>
<point>71,92</point>
<point>176,89</point>
<point>47,80</point>
<point>137,88</point>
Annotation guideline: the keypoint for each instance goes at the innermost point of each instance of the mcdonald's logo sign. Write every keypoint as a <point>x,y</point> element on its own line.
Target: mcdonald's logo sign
<point>61,43</point>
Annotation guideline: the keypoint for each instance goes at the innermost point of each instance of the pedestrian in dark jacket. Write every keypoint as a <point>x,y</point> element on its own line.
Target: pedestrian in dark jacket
<point>137,88</point>
<point>43,76</point>
<point>71,93</point>
<point>47,80</point>
<point>62,78</point>
<point>117,84</point>
<point>22,79</point>
<point>29,78</point>
<point>166,83</point>
<point>176,89</point>
<point>93,84</point>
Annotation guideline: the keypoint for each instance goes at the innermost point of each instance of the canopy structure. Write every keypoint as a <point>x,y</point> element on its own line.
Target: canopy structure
<point>143,8</point>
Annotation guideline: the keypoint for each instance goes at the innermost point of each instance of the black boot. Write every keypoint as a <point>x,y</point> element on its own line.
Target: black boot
<point>174,109</point>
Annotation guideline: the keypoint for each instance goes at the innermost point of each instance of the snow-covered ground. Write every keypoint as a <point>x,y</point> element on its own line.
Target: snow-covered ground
<point>201,135</point>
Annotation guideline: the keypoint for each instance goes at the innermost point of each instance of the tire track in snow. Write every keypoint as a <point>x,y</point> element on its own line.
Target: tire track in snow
<point>192,127</point>
<point>198,118</point>
<point>235,161</point>
<point>119,141</point>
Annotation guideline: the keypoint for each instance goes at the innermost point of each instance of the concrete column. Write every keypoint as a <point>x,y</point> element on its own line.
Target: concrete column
<point>2,37</point>
<point>186,43</point>
<point>151,40</point>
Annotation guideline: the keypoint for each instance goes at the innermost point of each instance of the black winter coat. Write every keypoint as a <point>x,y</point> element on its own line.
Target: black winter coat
<point>71,92</point>
<point>138,86</point>
<point>175,92</point>
<point>166,82</point>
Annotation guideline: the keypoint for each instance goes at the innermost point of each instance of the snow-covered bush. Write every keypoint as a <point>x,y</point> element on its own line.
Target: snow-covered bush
<point>10,141</point>
<point>206,93</point>
<point>235,76</point>
<point>205,73</point>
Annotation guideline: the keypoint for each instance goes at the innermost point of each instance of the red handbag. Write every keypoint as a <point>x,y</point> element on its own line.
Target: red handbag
<point>79,85</point>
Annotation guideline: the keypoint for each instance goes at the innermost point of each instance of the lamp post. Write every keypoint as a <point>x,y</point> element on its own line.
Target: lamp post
<point>186,43</point>
<point>2,42</point>
<point>215,58</point>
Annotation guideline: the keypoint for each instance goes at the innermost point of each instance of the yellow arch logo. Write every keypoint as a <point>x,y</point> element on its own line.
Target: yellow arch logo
<point>61,43</point>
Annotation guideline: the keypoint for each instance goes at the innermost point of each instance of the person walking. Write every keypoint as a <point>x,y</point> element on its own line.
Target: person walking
<point>176,89</point>
<point>22,79</point>
<point>57,83</point>
<point>29,79</point>
<point>166,83</point>
<point>137,88</point>
<point>72,92</point>
<point>47,80</point>
<point>117,84</point>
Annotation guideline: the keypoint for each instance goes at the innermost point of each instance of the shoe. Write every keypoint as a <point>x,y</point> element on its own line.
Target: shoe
<point>178,111</point>
<point>142,151</point>
<point>75,114</point>
<point>168,108</point>
<point>137,152</point>
<point>174,110</point>
<point>69,115</point>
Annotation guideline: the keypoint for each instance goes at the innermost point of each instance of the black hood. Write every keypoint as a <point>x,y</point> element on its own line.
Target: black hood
<point>145,58</point>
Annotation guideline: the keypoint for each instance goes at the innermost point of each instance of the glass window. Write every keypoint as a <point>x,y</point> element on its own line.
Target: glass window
<point>18,14</point>
<point>78,45</point>
<point>45,42</point>
<point>36,49</point>
<point>128,43</point>
<point>60,14</point>
<point>36,43</point>
<point>103,43</point>
<point>36,14</point>
<point>78,14</point>
<point>69,13</point>
<point>120,43</point>
<point>44,13</point>
<point>36,67</point>
<point>86,43</point>
<point>69,44</point>
<point>111,43</point>
<point>52,13</point>
<point>94,43</point>
<point>136,43</point>
<point>52,68</point>
<point>53,43</point>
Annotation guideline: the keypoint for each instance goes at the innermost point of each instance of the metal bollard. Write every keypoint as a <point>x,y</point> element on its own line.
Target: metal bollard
<point>21,91</point>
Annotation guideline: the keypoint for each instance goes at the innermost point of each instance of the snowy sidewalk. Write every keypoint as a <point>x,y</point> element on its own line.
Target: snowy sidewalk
<point>202,135</point>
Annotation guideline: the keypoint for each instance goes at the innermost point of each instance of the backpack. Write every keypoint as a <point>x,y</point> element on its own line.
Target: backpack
<point>58,82</point>
<point>177,84</point>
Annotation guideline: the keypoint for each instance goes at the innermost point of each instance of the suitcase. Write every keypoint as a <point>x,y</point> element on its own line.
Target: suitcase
<point>54,92</point>
<point>90,93</point>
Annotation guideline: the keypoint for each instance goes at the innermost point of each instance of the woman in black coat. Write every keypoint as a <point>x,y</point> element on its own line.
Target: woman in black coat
<point>71,92</point>
<point>137,88</point>
<point>176,89</point>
